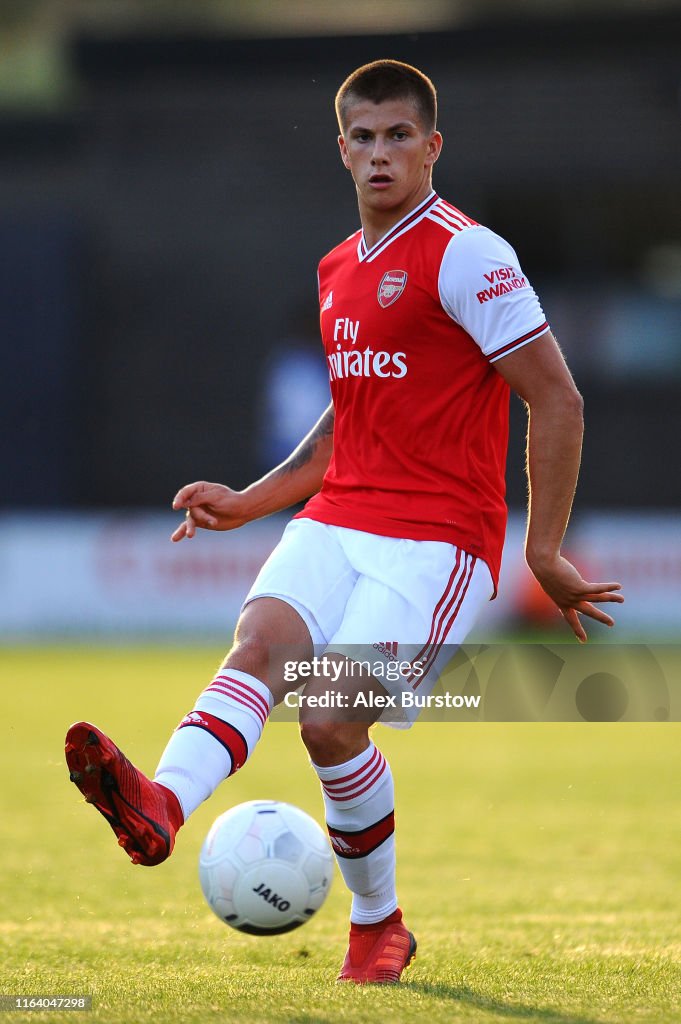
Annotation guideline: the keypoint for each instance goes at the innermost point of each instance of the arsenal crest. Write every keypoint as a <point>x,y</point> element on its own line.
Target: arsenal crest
<point>391,287</point>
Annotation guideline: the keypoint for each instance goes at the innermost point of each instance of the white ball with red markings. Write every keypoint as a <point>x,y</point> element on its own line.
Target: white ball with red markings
<point>265,867</point>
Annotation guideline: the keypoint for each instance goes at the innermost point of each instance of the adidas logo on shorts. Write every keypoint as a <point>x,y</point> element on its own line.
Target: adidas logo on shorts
<point>389,648</point>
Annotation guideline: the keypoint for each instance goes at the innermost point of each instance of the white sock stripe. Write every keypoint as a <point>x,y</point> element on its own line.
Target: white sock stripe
<point>238,695</point>
<point>354,777</point>
<point>359,803</point>
<point>197,760</point>
<point>367,783</point>
<point>335,791</point>
<point>356,788</point>
<point>223,692</point>
<point>265,700</point>
<point>359,792</point>
<point>330,773</point>
<point>255,712</point>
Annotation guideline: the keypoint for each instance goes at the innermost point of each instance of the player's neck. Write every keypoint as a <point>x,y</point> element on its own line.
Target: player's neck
<point>377,223</point>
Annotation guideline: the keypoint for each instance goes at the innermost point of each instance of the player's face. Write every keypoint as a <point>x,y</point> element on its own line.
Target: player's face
<point>389,154</point>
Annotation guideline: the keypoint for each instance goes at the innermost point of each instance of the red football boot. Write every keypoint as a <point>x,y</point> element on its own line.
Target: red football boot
<point>144,815</point>
<point>378,952</point>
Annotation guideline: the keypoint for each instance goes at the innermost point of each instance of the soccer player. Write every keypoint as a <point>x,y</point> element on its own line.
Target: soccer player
<point>428,323</point>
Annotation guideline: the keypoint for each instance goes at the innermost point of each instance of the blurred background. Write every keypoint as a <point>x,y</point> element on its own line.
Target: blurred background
<point>169,179</point>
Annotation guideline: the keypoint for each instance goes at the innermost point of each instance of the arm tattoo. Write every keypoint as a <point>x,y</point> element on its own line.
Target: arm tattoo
<point>308,446</point>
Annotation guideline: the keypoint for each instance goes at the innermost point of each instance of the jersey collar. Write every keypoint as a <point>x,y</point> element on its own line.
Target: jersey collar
<point>365,255</point>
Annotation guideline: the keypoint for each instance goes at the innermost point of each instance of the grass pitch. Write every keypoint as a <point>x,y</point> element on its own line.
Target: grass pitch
<point>538,867</point>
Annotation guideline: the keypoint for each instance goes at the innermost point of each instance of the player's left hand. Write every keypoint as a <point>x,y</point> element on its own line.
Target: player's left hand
<point>573,595</point>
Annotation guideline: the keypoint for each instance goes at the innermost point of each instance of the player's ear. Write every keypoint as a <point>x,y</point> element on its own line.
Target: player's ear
<point>344,152</point>
<point>434,148</point>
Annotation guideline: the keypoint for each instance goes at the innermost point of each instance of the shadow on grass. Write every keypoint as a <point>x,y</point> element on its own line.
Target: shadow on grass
<point>514,1011</point>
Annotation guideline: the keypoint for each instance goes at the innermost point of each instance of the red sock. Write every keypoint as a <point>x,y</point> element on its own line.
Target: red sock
<point>174,810</point>
<point>360,929</point>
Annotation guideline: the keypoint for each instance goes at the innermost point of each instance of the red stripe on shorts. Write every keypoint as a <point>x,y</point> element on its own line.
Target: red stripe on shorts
<point>447,623</point>
<point>451,586</point>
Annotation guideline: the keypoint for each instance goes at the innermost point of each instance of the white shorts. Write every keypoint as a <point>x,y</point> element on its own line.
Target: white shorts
<point>382,599</point>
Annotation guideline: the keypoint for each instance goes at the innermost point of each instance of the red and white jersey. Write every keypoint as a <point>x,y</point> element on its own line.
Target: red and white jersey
<point>411,328</point>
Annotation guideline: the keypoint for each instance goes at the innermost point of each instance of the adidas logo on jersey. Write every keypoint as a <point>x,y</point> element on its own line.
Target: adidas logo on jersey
<point>328,302</point>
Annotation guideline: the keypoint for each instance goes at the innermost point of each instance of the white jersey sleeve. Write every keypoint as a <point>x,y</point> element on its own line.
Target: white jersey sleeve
<point>484,290</point>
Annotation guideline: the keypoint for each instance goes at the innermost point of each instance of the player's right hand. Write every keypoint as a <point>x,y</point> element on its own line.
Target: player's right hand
<point>208,507</point>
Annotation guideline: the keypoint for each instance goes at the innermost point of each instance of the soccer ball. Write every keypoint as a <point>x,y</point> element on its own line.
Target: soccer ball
<point>265,867</point>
